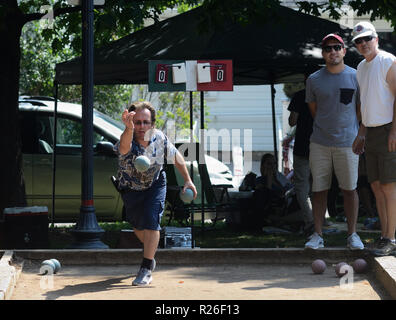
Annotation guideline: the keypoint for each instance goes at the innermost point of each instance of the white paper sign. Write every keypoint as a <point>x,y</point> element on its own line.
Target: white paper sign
<point>179,73</point>
<point>203,72</point>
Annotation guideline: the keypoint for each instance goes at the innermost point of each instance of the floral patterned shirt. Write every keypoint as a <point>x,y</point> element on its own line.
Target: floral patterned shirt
<point>128,176</point>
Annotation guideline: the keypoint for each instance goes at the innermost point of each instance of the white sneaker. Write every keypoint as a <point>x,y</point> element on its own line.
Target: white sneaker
<point>315,242</point>
<point>143,277</point>
<point>354,242</point>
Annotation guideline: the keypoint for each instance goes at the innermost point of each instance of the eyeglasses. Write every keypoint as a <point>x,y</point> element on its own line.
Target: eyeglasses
<point>142,123</point>
<point>336,47</point>
<point>365,39</point>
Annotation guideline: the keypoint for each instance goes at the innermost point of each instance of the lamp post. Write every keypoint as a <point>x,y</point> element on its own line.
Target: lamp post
<point>87,232</point>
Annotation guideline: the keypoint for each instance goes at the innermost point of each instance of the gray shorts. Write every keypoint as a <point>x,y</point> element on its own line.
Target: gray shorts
<point>380,163</point>
<point>323,160</point>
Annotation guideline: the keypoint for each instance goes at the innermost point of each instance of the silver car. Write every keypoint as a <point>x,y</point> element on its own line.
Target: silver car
<point>37,125</point>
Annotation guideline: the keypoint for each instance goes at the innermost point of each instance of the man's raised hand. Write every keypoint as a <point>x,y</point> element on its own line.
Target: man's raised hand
<point>127,119</point>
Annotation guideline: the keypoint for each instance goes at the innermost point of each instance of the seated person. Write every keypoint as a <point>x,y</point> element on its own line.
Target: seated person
<point>271,178</point>
<point>273,195</point>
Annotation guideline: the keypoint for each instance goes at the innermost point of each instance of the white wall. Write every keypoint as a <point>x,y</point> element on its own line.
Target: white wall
<point>247,108</point>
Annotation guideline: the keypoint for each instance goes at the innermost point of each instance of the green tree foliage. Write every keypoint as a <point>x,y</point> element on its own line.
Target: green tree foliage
<point>378,9</point>
<point>38,61</point>
<point>40,54</point>
<point>115,19</point>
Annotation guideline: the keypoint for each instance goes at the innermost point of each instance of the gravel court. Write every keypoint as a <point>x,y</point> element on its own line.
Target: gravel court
<point>192,282</point>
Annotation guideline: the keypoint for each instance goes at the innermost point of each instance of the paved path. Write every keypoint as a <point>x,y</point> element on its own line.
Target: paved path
<point>203,282</point>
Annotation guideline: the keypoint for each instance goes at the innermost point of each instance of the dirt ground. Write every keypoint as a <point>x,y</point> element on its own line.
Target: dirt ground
<point>208,282</point>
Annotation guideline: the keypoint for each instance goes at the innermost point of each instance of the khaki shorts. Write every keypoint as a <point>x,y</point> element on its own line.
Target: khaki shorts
<point>380,163</point>
<point>323,160</point>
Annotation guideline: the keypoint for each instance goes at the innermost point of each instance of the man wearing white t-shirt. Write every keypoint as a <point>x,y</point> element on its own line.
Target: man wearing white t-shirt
<point>376,137</point>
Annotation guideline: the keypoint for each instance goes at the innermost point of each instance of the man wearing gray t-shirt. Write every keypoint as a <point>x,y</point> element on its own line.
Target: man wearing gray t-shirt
<point>332,97</point>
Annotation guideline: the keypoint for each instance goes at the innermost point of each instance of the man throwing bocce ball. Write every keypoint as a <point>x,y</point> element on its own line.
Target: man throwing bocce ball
<point>144,191</point>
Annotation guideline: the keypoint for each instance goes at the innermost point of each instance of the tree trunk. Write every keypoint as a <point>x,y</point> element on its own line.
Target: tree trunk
<point>12,186</point>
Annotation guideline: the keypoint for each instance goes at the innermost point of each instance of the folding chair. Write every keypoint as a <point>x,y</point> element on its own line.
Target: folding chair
<point>216,199</point>
<point>177,210</point>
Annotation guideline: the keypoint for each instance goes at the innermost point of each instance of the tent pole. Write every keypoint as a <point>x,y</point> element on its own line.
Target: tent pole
<point>273,91</point>
<point>54,153</point>
<point>192,164</point>
<point>191,133</point>
<point>201,152</point>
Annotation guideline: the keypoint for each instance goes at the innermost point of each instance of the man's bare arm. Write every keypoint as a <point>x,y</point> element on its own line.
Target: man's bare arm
<point>293,118</point>
<point>391,80</point>
<point>312,107</point>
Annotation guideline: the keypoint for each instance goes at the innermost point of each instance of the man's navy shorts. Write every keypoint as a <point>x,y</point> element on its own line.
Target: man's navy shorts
<point>144,209</point>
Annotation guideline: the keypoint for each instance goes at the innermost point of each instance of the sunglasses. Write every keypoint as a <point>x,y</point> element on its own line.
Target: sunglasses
<point>365,39</point>
<point>336,47</point>
<point>142,123</point>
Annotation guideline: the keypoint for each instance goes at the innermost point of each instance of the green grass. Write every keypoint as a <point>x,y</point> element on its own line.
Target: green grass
<point>219,235</point>
<point>223,237</point>
<point>114,226</point>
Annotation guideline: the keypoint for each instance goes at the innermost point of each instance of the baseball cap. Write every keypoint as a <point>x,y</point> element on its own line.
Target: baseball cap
<point>334,36</point>
<point>363,29</point>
